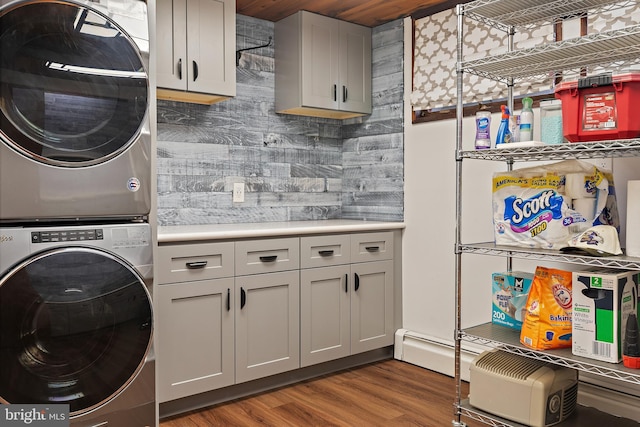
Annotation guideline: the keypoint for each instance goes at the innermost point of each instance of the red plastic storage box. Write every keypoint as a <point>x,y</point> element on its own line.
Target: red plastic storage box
<point>600,107</point>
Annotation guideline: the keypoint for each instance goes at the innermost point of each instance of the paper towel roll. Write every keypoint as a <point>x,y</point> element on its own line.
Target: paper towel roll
<point>579,186</point>
<point>633,218</point>
<point>586,206</point>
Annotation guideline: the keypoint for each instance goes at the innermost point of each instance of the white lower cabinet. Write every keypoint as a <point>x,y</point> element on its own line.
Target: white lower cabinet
<point>231,312</point>
<point>345,308</point>
<point>325,311</point>
<point>372,306</point>
<point>195,346</point>
<point>267,324</point>
<point>194,318</point>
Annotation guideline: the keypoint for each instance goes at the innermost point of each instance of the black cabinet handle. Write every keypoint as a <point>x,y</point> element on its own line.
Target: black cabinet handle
<point>268,258</point>
<point>344,94</point>
<point>195,70</point>
<point>346,283</point>
<point>327,252</point>
<point>180,69</point>
<point>372,248</point>
<point>335,92</point>
<point>356,286</point>
<point>196,265</point>
<point>243,297</point>
<point>228,299</point>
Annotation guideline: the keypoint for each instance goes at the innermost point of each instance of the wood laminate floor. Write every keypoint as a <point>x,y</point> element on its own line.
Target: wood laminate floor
<point>387,393</point>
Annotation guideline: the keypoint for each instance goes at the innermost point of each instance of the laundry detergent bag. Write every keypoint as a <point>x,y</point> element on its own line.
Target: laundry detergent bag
<point>544,206</point>
<point>547,320</point>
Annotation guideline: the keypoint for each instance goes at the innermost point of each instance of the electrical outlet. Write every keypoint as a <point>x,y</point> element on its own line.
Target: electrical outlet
<point>238,192</point>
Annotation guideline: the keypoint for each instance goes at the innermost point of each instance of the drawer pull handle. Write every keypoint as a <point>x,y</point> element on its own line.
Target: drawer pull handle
<point>228,299</point>
<point>346,283</point>
<point>328,252</point>
<point>372,248</point>
<point>268,258</point>
<point>196,265</point>
<point>357,282</point>
<point>243,297</point>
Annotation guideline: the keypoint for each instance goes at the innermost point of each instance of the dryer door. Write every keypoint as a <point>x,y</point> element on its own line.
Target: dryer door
<point>73,84</point>
<point>75,328</point>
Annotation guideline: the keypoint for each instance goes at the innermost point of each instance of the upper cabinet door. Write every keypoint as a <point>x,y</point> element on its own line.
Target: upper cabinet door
<point>196,49</point>
<point>210,39</point>
<point>355,67</point>
<point>171,36</point>
<point>320,61</point>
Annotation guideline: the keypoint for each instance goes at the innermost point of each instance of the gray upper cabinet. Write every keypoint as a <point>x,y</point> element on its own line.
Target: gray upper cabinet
<point>323,67</point>
<point>196,46</point>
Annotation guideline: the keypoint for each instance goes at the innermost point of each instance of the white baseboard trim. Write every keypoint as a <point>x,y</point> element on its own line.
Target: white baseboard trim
<point>437,355</point>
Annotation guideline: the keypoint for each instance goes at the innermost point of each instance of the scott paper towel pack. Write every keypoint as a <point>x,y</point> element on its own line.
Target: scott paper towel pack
<point>533,207</point>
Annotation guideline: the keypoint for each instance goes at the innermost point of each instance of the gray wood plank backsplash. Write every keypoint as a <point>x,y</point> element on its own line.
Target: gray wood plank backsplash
<point>294,168</point>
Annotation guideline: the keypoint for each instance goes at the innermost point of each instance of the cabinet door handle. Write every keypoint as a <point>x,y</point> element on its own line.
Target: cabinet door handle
<point>356,286</point>
<point>344,94</point>
<point>346,283</point>
<point>372,248</point>
<point>268,258</point>
<point>228,299</point>
<point>243,298</point>
<point>196,265</point>
<point>335,92</point>
<point>327,252</point>
<point>195,70</point>
<point>180,69</point>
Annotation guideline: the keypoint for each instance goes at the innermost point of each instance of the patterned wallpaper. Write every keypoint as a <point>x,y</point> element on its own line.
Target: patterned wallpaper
<point>293,167</point>
<point>435,56</point>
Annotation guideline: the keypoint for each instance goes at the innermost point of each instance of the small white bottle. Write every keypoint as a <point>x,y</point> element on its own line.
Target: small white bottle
<point>483,130</point>
<point>526,120</point>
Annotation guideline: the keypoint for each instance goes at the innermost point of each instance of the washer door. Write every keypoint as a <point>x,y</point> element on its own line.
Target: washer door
<point>75,328</point>
<point>73,84</point>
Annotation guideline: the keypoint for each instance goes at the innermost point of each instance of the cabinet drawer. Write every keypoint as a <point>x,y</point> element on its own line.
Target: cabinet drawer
<point>371,246</point>
<point>324,251</point>
<point>267,256</point>
<point>200,261</point>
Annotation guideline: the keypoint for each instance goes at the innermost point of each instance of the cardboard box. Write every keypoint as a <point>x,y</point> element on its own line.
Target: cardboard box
<point>509,295</point>
<point>602,301</point>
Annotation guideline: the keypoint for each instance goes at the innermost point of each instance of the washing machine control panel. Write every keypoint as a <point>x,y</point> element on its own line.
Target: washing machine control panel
<point>66,235</point>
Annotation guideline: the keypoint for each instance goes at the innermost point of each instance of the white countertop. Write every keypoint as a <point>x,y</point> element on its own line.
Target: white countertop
<point>186,233</point>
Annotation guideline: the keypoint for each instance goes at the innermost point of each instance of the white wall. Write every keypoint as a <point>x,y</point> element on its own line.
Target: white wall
<point>429,237</point>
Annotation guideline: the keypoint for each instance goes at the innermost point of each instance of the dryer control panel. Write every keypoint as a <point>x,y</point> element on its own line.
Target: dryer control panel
<point>66,235</point>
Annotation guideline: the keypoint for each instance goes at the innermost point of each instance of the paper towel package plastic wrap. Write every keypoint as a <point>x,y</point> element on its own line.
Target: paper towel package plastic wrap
<point>533,207</point>
<point>633,216</point>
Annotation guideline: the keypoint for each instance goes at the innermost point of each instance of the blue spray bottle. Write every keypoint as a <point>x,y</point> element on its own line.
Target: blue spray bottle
<point>504,134</point>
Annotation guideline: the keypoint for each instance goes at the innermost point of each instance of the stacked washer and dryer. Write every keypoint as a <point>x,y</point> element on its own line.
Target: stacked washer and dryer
<point>76,318</point>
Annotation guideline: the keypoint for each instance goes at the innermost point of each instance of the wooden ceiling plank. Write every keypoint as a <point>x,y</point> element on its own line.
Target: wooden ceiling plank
<point>365,12</point>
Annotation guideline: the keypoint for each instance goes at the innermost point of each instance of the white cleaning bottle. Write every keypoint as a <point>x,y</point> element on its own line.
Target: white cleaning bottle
<point>526,120</point>
<point>483,130</point>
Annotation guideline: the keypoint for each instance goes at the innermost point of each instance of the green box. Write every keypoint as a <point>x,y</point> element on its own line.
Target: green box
<point>601,302</point>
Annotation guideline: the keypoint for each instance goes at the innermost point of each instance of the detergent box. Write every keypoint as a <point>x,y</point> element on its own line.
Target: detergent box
<point>510,291</point>
<point>602,300</point>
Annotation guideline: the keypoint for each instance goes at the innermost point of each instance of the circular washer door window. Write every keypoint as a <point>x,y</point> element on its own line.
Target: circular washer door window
<point>73,84</point>
<point>75,328</point>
